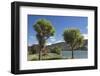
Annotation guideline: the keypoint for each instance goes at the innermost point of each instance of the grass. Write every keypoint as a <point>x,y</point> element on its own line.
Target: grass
<point>49,56</point>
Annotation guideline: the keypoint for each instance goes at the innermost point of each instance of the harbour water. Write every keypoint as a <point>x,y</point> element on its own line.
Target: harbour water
<point>78,54</point>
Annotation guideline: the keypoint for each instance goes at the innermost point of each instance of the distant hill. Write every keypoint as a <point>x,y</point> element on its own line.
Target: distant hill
<point>62,45</point>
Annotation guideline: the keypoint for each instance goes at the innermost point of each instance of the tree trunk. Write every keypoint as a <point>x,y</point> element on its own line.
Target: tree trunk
<point>72,54</point>
<point>42,47</point>
<point>44,50</point>
<point>40,53</point>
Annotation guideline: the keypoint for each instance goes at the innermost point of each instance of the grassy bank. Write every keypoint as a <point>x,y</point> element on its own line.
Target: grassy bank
<point>49,56</point>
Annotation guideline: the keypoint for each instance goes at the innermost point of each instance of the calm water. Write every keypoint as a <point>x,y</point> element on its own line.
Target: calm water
<point>77,54</point>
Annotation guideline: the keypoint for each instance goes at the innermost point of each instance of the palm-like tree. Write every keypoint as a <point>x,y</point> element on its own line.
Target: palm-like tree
<point>73,38</point>
<point>44,30</point>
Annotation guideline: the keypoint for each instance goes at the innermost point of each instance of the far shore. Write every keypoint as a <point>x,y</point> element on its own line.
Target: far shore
<point>75,50</point>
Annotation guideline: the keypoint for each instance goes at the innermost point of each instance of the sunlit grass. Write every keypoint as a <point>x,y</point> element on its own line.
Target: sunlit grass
<point>49,56</point>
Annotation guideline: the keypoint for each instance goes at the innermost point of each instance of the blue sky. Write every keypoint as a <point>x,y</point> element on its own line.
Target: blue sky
<point>59,23</point>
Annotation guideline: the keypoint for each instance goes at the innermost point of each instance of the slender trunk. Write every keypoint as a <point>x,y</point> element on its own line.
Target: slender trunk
<point>72,54</point>
<point>40,53</point>
<point>42,46</point>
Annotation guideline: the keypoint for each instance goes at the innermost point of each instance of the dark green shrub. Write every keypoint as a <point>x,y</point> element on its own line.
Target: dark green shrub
<point>56,50</point>
<point>32,50</point>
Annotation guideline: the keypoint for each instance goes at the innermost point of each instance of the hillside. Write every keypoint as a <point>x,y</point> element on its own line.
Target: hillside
<point>62,45</point>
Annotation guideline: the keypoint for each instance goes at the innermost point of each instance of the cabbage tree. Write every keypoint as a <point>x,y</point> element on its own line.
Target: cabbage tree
<point>44,29</point>
<point>73,38</point>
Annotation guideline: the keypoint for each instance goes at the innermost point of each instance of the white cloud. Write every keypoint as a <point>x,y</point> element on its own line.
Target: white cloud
<point>52,39</point>
<point>48,43</point>
<point>85,36</point>
<point>57,41</point>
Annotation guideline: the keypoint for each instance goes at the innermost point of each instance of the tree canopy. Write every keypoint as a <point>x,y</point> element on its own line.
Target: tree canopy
<point>73,38</point>
<point>44,28</point>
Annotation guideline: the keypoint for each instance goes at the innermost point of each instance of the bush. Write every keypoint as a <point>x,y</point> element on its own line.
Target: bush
<point>32,50</point>
<point>56,50</point>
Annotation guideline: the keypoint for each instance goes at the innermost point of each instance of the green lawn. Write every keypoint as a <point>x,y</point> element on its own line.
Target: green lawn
<point>49,56</point>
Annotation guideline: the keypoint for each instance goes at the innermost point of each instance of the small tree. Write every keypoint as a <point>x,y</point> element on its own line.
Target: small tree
<point>73,38</point>
<point>44,30</point>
